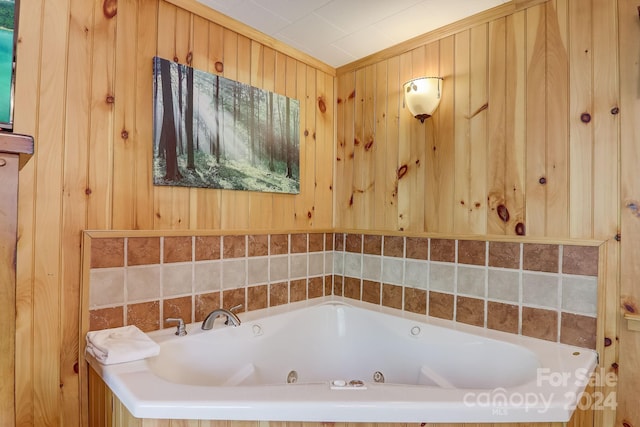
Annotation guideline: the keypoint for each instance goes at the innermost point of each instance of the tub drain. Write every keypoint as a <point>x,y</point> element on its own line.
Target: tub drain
<point>292,377</point>
<point>378,377</point>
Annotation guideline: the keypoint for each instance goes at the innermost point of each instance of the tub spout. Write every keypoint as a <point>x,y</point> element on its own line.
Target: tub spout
<point>232,319</point>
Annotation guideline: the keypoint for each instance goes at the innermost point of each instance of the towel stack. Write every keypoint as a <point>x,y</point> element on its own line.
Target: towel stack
<point>120,345</point>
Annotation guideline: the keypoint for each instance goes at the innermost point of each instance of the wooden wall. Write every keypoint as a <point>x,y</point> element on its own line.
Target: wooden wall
<point>526,141</point>
<point>84,91</point>
<point>516,86</point>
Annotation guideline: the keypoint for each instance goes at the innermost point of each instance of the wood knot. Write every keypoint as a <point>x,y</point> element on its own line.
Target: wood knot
<point>542,180</point>
<point>402,171</point>
<point>176,59</point>
<point>352,94</point>
<point>189,58</point>
<point>322,105</point>
<point>615,110</point>
<point>368,145</point>
<point>503,213</point>
<point>356,141</point>
<point>520,229</point>
<point>219,66</point>
<point>124,134</point>
<point>110,8</point>
<point>309,214</point>
<point>607,341</point>
<point>585,117</point>
<point>306,132</point>
<point>87,191</point>
<point>110,99</point>
<point>339,101</point>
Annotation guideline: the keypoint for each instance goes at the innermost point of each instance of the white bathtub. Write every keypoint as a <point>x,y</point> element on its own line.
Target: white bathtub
<point>334,353</point>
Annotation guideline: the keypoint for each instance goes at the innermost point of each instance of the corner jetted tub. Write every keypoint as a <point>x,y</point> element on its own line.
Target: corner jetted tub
<point>333,359</point>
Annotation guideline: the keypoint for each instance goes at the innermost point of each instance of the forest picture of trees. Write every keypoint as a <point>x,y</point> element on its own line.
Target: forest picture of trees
<point>213,132</point>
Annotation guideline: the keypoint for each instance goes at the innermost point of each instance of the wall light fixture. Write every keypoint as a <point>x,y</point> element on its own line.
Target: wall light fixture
<point>422,96</point>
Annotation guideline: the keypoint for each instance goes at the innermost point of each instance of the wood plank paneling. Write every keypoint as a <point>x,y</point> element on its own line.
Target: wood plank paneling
<point>526,159</point>
<point>629,363</point>
<point>84,91</point>
<point>85,85</point>
<point>8,233</point>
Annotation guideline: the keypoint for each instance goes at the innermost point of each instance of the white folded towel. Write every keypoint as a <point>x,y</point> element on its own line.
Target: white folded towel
<point>118,345</point>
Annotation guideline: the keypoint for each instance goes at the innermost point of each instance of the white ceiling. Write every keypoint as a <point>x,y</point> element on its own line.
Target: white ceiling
<point>341,31</point>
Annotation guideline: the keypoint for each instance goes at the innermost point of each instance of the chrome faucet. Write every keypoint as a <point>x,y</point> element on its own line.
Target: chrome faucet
<point>232,319</point>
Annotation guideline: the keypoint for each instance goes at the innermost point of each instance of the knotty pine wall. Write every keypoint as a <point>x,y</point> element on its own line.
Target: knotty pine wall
<point>84,91</point>
<point>535,136</point>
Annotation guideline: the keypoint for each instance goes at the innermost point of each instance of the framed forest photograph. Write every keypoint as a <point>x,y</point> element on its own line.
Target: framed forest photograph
<point>213,132</point>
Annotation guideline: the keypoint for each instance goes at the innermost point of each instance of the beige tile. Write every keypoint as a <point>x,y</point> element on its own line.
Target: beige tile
<point>106,286</point>
<point>257,271</point>
<point>234,273</point>
<point>143,282</point>
<point>207,276</point>
<point>176,279</point>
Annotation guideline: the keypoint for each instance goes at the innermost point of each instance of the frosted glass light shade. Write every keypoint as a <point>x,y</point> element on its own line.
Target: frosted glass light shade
<point>422,96</point>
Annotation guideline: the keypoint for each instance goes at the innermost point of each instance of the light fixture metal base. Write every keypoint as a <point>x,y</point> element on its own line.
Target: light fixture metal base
<point>422,117</point>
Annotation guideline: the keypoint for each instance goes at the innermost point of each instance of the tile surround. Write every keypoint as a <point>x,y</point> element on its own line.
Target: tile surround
<point>546,291</point>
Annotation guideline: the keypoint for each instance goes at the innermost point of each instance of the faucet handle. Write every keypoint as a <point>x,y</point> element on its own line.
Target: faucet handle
<point>180,328</point>
<point>233,309</point>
